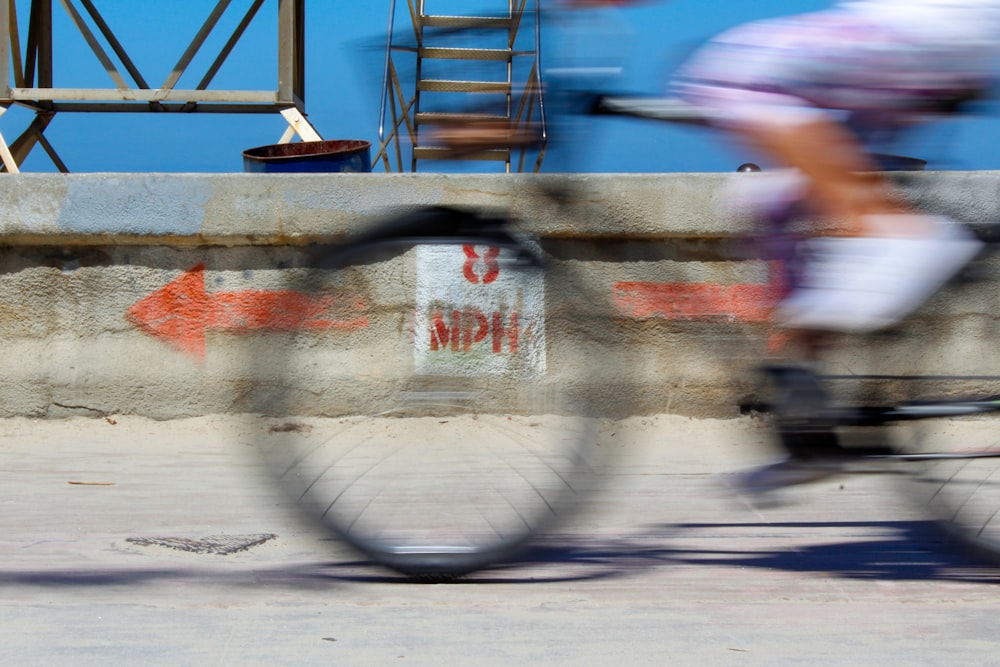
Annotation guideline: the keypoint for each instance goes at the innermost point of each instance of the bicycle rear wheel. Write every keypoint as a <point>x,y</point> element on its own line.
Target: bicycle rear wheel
<point>959,484</point>
<point>952,423</point>
<point>449,416</point>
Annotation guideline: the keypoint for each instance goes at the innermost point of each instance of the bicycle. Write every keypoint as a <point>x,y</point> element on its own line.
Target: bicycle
<point>458,421</point>
<point>910,415</point>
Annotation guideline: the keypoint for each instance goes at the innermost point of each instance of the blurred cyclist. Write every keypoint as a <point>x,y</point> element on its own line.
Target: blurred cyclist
<point>790,87</point>
<point>786,85</point>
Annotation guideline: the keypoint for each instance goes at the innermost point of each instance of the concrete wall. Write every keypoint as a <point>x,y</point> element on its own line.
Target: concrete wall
<point>101,270</point>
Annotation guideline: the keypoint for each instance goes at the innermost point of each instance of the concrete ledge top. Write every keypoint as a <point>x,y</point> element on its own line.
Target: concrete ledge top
<point>268,209</point>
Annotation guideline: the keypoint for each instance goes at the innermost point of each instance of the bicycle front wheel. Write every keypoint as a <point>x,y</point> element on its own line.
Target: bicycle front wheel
<point>444,414</point>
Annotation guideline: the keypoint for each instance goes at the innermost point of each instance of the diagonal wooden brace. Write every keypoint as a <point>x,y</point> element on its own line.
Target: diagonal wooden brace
<point>297,124</point>
<point>5,155</point>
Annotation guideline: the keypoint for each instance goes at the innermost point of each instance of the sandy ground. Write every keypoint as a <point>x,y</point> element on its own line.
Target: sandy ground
<point>663,565</point>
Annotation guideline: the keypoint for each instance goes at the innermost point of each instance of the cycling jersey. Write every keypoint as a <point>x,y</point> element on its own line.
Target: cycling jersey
<point>856,55</point>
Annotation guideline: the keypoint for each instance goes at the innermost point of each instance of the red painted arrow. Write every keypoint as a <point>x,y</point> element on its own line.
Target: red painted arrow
<point>180,312</point>
<point>695,301</point>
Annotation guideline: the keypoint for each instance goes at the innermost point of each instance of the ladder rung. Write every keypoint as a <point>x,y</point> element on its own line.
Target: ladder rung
<point>437,153</point>
<point>467,21</point>
<point>451,118</point>
<point>440,86</point>
<point>449,53</point>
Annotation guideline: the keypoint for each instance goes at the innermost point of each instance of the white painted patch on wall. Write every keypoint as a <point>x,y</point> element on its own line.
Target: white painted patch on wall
<point>478,312</point>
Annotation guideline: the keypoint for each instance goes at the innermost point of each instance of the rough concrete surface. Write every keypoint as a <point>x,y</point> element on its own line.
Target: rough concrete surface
<point>177,295</point>
<point>663,568</point>
<point>249,209</point>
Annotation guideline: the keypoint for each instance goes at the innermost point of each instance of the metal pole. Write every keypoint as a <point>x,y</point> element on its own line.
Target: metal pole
<point>385,73</point>
<point>5,48</point>
<point>291,54</point>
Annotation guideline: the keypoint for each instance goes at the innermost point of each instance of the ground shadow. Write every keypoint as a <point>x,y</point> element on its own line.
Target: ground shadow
<point>882,550</point>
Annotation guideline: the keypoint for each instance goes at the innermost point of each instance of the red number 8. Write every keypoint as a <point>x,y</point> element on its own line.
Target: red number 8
<point>489,259</point>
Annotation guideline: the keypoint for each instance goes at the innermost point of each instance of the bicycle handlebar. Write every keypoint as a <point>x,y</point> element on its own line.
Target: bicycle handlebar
<point>650,108</point>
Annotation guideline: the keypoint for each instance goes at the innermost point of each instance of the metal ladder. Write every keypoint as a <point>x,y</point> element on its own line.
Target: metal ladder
<point>460,68</point>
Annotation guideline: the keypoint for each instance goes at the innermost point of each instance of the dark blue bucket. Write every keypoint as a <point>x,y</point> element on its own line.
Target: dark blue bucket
<point>337,155</point>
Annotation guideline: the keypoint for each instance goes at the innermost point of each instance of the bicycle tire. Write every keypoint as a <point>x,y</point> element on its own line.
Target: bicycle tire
<point>927,390</point>
<point>955,475</point>
<point>456,417</point>
<point>961,489</point>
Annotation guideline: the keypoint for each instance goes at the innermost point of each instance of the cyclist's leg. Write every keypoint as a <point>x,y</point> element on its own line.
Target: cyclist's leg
<point>844,184</point>
<point>870,281</point>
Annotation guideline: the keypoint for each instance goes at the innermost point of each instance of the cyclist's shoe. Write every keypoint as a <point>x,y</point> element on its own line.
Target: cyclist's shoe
<point>796,470</point>
<point>785,473</point>
<point>868,283</point>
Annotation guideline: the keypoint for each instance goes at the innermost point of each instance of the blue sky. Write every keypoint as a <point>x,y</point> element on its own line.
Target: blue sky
<point>341,98</point>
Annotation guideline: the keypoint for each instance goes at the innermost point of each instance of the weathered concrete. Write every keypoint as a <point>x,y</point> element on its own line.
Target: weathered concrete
<point>83,250</point>
<point>274,209</point>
